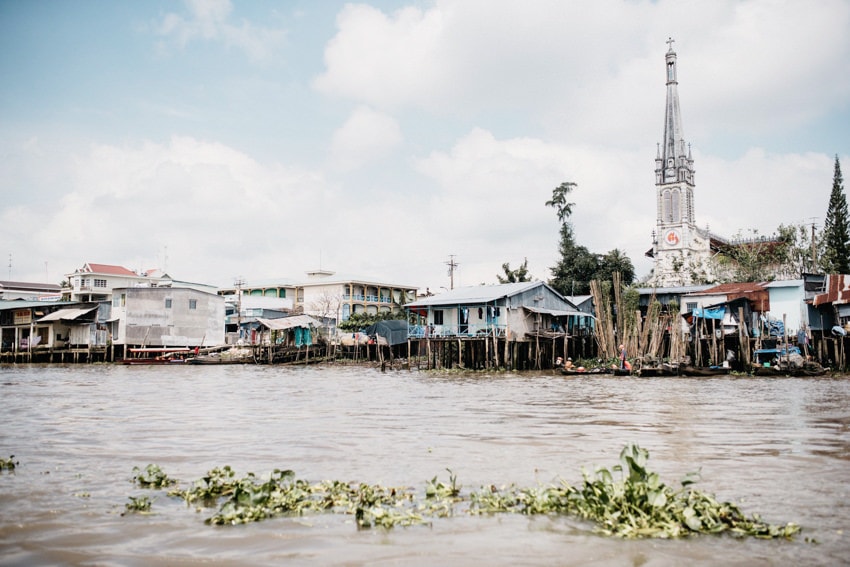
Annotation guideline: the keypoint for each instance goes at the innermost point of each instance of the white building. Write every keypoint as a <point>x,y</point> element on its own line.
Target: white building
<point>95,282</point>
<point>166,317</point>
<point>336,296</point>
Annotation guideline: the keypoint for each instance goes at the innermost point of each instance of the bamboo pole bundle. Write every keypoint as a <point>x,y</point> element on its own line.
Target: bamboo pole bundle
<point>621,327</point>
<point>604,325</point>
<point>656,340</point>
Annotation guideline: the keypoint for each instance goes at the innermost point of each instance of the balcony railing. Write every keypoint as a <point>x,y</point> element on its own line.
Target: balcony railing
<point>369,298</point>
<point>471,330</point>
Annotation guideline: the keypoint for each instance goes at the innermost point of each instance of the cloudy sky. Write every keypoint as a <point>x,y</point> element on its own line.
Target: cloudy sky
<point>260,139</point>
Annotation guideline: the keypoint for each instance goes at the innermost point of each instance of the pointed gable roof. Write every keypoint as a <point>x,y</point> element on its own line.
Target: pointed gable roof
<point>108,269</point>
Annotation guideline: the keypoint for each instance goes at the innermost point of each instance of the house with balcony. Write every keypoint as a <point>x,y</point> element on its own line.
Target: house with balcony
<point>95,282</point>
<point>329,295</point>
<point>518,311</point>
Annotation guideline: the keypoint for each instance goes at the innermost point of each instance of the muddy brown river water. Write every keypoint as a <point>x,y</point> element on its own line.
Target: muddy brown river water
<point>779,447</point>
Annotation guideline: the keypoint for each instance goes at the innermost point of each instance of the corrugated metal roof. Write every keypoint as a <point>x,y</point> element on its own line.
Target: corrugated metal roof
<point>555,312</point>
<point>837,292</point>
<point>30,286</point>
<point>475,294</point>
<point>785,283</point>
<point>729,288</point>
<point>289,322</point>
<point>6,304</point>
<point>683,289</point>
<point>69,314</point>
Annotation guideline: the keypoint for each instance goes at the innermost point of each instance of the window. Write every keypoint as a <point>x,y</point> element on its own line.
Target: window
<point>438,316</point>
<point>193,304</point>
<point>168,303</point>
<point>691,307</point>
<point>99,283</point>
<point>676,209</point>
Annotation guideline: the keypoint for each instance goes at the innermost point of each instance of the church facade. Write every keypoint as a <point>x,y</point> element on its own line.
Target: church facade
<point>681,250</point>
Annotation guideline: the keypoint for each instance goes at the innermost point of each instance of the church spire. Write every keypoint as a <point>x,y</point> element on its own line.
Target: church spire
<point>674,162</point>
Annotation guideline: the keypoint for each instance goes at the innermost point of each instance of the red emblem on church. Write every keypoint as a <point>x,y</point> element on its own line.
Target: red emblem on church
<point>671,238</point>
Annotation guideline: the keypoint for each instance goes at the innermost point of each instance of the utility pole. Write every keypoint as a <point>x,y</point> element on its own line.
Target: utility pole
<point>239,283</point>
<point>814,247</point>
<point>452,265</point>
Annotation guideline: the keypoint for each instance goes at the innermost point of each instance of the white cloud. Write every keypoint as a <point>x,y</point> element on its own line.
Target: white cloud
<point>367,135</point>
<point>384,60</point>
<point>594,72</point>
<point>210,20</point>
<point>217,210</point>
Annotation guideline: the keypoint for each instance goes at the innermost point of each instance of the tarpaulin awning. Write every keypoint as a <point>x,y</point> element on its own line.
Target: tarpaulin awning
<point>394,331</point>
<point>303,321</point>
<point>68,314</point>
<point>710,312</point>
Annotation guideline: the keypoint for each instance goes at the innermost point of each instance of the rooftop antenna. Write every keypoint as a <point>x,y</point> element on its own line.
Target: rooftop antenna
<point>452,266</point>
<point>10,266</point>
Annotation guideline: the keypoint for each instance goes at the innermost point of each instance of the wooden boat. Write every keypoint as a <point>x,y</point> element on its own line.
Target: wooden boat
<point>784,362</point>
<point>653,371</point>
<point>688,370</point>
<point>158,355</point>
<point>235,355</point>
<point>808,369</point>
<point>579,371</point>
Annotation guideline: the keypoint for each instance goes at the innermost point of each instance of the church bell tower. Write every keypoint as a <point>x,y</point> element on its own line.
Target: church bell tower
<point>680,249</point>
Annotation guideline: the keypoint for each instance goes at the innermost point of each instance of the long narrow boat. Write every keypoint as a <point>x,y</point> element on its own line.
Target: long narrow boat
<point>158,355</point>
<point>809,369</point>
<point>688,370</point>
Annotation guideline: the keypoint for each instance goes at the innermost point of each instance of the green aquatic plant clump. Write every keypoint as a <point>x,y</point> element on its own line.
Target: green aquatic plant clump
<point>8,464</point>
<point>627,501</point>
<point>152,476</point>
<point>138,504</point>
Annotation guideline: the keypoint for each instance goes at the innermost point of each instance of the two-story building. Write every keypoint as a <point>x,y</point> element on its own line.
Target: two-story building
<point>513,310</point>
<point>166,317</point>
<point>329,295</point>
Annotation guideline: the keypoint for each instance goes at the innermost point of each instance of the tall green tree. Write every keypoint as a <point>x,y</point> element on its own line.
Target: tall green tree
<point>577,266</point>
<point>835,238</point>
<point>559,201</point>
<point>513,276</point>
<point>616,261</point>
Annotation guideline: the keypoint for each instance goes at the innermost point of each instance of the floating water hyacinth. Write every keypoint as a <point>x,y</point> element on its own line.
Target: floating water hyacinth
<point>152,477</point>
<point>627,501</point>
<point>8,464</point>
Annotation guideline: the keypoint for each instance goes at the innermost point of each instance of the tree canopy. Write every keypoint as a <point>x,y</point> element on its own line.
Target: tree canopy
<point>577,266</point>
<point>513,276</point>
<point>835,238</point>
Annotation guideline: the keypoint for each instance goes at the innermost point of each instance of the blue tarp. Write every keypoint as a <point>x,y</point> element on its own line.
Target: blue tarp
<point>710,312</point>
<point>394,331</point>
<point>303,337</point>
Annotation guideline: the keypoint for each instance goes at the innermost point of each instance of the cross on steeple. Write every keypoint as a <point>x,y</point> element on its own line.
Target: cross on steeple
<point>670,41</point>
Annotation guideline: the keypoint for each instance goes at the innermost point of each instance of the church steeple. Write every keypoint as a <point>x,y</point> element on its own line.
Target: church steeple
<point>674,164</point>
<point>680,249</point>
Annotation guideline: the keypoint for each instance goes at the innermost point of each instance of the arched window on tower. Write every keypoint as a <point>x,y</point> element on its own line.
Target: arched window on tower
<point>676,206</point>
<point>666,207</point>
